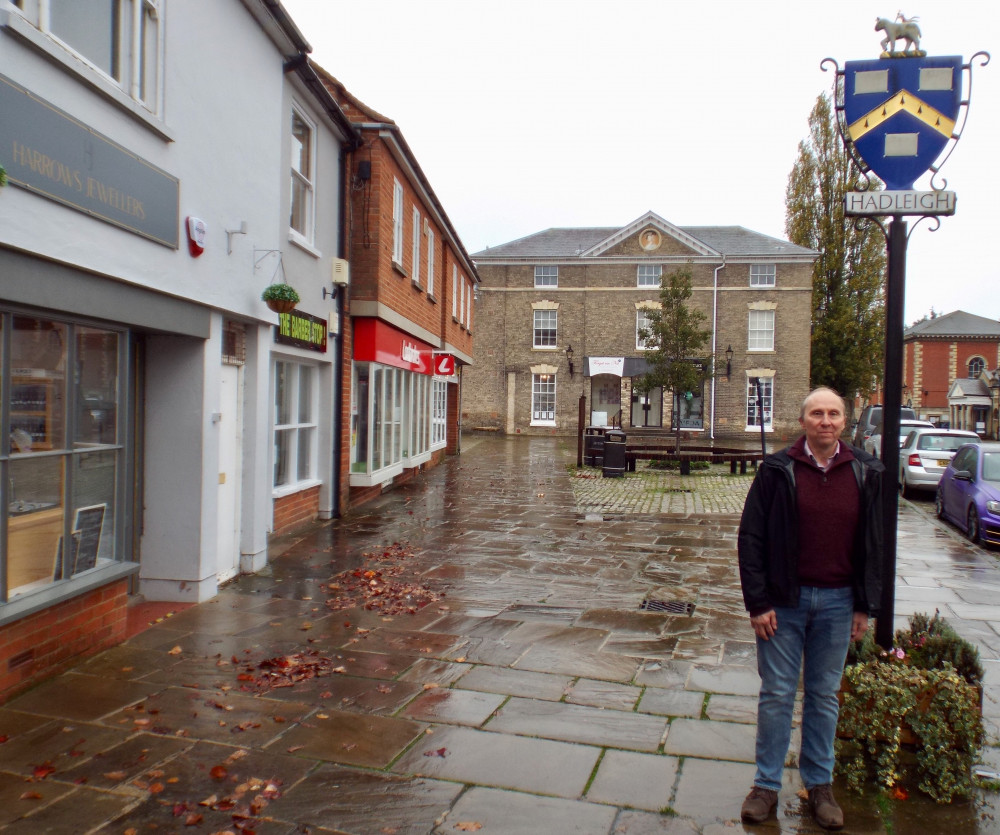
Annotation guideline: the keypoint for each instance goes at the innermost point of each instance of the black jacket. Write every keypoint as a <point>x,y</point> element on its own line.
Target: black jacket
<point>769,536</point>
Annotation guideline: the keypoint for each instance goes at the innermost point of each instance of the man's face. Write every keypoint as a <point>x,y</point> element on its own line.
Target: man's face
<point>824,420</point>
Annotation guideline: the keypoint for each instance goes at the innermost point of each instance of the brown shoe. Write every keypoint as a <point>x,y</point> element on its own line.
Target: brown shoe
<point>759,804</point>
<point>824,808</point>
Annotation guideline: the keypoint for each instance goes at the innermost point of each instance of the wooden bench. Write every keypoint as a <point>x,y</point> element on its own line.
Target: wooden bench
<point>660,452</point>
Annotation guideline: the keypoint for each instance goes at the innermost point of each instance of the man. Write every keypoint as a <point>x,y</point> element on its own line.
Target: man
<point>810,553</point>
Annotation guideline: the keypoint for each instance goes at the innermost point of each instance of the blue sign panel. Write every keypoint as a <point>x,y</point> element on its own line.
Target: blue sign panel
<point>901,113</point>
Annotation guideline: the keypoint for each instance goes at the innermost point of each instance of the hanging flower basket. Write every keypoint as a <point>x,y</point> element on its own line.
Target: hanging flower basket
<point>281,298</point>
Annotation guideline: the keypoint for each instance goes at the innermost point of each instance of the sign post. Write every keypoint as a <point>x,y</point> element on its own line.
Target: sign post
<point>896,116</point>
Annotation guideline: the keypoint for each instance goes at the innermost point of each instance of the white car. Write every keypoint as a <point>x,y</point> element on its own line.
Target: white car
<point>926,453</point>
<point>873,443</point>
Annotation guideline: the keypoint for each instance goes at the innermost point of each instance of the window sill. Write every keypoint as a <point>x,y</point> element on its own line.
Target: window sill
<point>542,423</point>
<point>761,351</point>
<point>399,268</point>
<point>545,348</point>
<point>303,243</point>
<point>298,487</point>
<point>377,477</point>
<point>767,429</point>
<point>417,460</point>
<point>431,297</point>
<point>84,73</point>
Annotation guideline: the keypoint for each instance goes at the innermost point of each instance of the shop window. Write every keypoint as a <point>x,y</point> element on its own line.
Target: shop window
<point>762,405</point>
<point>543,399</point>
<point>62,483</point>
<point>439,415</point>
<point>303,177</point>
<point>121,39</point>
<point>295,412</point>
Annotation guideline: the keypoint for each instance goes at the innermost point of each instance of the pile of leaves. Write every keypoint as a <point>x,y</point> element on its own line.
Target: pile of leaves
<point>289,670</point>
<point>385,582</point>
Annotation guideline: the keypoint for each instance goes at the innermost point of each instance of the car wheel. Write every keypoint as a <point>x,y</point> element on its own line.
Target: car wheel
<point>939,505</point>
<point>972,528</point>
<point>904,491</point>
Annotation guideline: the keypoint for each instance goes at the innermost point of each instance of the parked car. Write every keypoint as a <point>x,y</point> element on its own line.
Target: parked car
<point>906,425</point>
<point>871,416</point>
<point>926,453</point>
<point>969,492</point>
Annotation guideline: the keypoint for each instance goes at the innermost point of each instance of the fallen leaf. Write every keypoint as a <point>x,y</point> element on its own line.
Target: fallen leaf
<point>306,626</point>
<point>899,793</point>
<point>468,826</point>
<point>440,752</point>
<point>30,796</point>
<point>211,800</point>
<point>42,771</point>
<point>155,788</point>
<point>175,651</point>
<point>218,772</point>
<point>115,775</point>
<point>193,819</point>
<point>431,685</point>
<point>3,738</point>
<point>295,748</point>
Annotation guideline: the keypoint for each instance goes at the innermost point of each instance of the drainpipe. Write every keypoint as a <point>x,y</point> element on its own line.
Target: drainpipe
<point>715,322</point>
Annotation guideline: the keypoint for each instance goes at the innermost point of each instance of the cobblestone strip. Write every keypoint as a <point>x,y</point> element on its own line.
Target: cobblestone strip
<point>648,490</point>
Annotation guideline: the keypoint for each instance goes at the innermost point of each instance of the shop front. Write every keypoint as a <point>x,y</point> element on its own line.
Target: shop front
<point>399,405</point>
<point>618,380</point>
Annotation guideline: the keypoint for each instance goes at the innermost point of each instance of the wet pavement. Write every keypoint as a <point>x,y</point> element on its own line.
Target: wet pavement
<point>534,695</point>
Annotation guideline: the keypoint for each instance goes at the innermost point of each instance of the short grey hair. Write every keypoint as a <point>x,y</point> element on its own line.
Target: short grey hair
<point>818,390</point>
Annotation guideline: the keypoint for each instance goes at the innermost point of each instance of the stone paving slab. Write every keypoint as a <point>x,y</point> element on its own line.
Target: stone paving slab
<point>711,740</point>
<point>636,781</point>
<point>517,682</point>
<point>495,759</point>
<point>512,813</point>
<point>577,723</point>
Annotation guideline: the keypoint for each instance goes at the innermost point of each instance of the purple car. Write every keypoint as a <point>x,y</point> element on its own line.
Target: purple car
<point>969,492</point>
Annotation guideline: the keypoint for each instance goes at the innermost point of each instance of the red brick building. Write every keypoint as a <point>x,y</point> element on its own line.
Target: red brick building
<point>940,350</point>
<point>408,328</point>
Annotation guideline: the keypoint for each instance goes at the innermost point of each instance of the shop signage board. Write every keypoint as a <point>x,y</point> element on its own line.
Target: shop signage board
<point>303,330</point>
<point>48,152</point>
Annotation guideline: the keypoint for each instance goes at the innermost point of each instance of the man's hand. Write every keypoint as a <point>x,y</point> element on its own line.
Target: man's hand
<point>859,626</point>
<point>765,625</point>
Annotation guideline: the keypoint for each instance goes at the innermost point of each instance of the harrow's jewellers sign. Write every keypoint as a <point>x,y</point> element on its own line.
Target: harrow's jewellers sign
<point>50,153</point>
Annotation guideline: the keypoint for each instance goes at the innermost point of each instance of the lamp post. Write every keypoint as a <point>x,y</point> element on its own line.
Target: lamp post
<point>729,362</point>
<point>569,358</point>
<point>995,403</point>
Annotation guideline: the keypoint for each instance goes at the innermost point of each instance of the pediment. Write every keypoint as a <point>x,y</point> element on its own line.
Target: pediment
<point>652,236</point>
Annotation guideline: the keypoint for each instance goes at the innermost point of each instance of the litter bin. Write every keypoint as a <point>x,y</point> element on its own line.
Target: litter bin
<point>593,446</point>
<point>614,454</point>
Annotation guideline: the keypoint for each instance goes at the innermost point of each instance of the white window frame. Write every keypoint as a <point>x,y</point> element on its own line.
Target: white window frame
<point>135,78</point>
<point>454,291</point>
<point>543,399</point>
<point>468,306</point>
<point>980,364</point>
<point>762,275</point>
<point>540,328</point>
<point>648,275</point>
<point>642,321</point>
<point>416,246</point>
<point>303,181</point>
<point>767,390</point>
<point>546,276</point>
<point>397,223</point>
<point>461,300</point>
<point>760,331</point>
<point>439,414</point>
<point>430,261</point>
<point>296,426</point>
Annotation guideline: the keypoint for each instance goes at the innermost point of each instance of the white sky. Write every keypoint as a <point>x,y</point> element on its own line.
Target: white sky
<point>531,114</point>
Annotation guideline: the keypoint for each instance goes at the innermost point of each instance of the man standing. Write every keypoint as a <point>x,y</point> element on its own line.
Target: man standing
<point>810,553</point>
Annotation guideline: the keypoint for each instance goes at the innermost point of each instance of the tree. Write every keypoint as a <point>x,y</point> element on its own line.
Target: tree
<point>675,331</point>
<point>848,310</point>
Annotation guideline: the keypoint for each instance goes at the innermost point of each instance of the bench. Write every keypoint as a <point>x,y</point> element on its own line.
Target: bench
<point>660,452</point>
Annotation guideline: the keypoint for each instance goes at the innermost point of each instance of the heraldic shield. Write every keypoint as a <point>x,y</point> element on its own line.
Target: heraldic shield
<point>901,112</point>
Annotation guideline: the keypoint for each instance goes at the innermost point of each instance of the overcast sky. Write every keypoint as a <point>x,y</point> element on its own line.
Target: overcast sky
<point>531,114</point>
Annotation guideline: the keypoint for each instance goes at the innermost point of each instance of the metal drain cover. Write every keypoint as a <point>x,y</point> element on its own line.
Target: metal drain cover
<point>673,607</point>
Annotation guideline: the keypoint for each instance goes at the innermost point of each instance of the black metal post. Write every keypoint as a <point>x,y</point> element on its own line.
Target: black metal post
<point>581,415</point>
<point>760,416</point>
<point>891,402</point>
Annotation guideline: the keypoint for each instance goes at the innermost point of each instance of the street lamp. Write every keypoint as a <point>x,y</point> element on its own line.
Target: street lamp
<point>995,396</point>
<point>569,358</point>
<point>729,362</point>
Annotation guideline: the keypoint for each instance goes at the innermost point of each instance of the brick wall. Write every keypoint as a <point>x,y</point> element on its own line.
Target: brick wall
<point>47,642</point>
<point>295,510</point>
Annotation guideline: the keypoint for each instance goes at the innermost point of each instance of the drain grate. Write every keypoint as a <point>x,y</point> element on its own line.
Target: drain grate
<point>673,607</point>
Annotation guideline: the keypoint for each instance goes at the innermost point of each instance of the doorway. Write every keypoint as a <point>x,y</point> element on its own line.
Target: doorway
<point>230,471</point>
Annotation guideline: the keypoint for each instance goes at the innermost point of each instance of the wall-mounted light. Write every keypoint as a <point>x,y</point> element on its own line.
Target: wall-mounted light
<point>242,230</point>
<point>569,358</point>
<point>729,362</point>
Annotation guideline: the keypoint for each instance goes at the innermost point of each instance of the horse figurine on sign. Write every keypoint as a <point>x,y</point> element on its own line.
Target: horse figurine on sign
<point>899,29</point>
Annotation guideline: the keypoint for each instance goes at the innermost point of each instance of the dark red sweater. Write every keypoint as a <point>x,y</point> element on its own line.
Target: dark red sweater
<point>828,505</point>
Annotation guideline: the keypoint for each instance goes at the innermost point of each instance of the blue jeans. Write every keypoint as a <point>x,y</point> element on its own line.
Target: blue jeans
<point>820,630</point>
